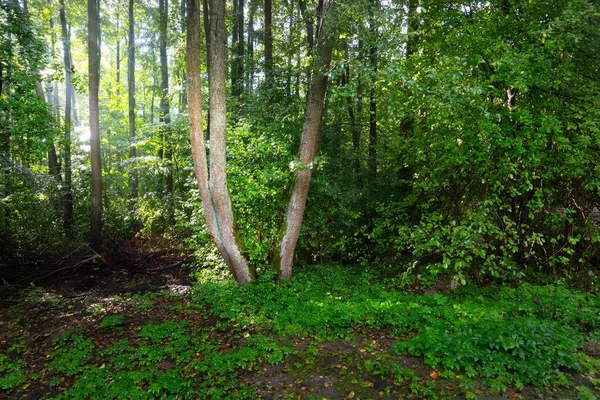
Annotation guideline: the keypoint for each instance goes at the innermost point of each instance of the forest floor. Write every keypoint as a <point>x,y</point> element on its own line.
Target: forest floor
<point>137,326</point>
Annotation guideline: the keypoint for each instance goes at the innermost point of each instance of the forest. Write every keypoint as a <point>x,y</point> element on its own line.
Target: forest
<point>299,199</point>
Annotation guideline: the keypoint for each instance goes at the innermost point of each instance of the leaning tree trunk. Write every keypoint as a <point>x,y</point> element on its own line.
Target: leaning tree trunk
<point>284,256</point>
<point>94,82</point>
<point>213,185</point>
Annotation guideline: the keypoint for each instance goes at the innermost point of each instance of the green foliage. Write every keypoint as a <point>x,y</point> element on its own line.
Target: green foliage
<point>512,351</point>
<point>71,352</point>
<point>488,190</point>
<point>12,368</point>
<point>528,335</point>
<point>112,321</point>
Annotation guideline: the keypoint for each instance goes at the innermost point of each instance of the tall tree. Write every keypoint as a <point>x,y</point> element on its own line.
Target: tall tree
<point>94,83</point>
<point>68,184</point>
<point>373,91</point>
<point>240,47</point>
<point>165,105</point>
<point>52,100</point>
<point>284,255</point>
<point>213,184</point>
<point>268,15</point>
<point>133,179</point>
<point>250,64</point>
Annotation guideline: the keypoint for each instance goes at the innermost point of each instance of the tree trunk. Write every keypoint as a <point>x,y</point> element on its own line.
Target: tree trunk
<point>52,100</point>
<point>268,14</point>
<point>118,56</point>
<point>240,48</point>
<point>213,185</point>
<point>284,256</point>
<point>250,63</point>
<point>372,96</point>
<point>288,82</point>
<point>234,41</point>
<point>133,184</point>
<point>354,128</point>
<point>164,99</point>
<point>183,93</point>
<point>206,20</point>
<point>310,38</point>
<point>68,193</point>
<point>94,82</point>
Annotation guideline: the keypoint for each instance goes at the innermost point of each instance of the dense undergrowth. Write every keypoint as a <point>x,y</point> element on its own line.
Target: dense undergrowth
<point>331,332</point>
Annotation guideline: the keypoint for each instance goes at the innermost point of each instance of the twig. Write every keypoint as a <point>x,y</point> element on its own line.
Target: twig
<point>177,264</point>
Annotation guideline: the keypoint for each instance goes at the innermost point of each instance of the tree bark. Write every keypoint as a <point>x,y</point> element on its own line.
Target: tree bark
<point>133,179</point>
<point>68,193</point>
<point>206,20</point>
<point>213,185</point>
<point>284,256</point>
<point>94,83</point>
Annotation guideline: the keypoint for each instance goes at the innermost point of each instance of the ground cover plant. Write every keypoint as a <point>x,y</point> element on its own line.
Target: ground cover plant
<point>331,332</point>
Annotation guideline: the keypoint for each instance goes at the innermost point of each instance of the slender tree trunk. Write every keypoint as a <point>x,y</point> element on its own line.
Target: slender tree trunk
<point>310,36</point>
<point>213,185</point>
<point>52,100</point>
<point>118,56</point>
<point>94,83</point>
<point>354,128</point>
<point>268,14</point>
<point>373,96</point>
<point>234,41</point>
<point>183,93</point>
<point>288,83</point>
<point>240,48</point>
<point>68,193</point>
<point>284,256</point>
<point>250,58</point>
<point>206,20</point>
<point>133,179</point>
<point>164,100</point>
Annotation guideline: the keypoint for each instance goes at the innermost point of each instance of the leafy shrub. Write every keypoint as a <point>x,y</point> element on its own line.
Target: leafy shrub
<point>520,351</point>
<point>112,321</point>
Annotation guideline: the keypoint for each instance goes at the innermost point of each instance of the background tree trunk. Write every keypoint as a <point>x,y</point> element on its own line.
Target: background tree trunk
<point>164,99</point>
<point>68,192</point>
<point>133,179</point>
<point>94,83</point>
<point>268,14</point>
<point>372,94</point>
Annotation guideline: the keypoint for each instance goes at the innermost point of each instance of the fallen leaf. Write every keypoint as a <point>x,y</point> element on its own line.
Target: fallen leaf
<point>434,375</point>
<point>351,395</point>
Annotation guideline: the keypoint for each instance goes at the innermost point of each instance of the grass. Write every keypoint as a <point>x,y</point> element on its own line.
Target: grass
<point>331,332</point>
